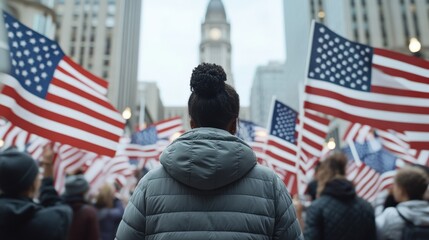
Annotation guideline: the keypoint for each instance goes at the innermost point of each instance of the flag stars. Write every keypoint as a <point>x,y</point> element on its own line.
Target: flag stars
<point>26,52</point>
<point>45,48</point>
<point>21,63</point>
<point>23,43</point>
<point>44,75</point>
<point>24,73</point>
<point>36,49</point>
<point>42,66</point>
<point>28,82</point>
<point>32,41</point>
<point>15,25</point>
<point>31,61</point>
<point>37,79</point>
<point>39,88</point>
<point>18,54</point>
<point>29,33</point>
<point>33,70</point>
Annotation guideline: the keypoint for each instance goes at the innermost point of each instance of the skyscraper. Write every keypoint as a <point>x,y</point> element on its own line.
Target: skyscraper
<point>268,82</point>
<point>215,46</point>
<point>103,37</point>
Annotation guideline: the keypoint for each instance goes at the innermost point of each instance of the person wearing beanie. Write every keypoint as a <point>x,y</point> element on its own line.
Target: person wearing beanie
<point>20,183</point>
<point>85,222</point>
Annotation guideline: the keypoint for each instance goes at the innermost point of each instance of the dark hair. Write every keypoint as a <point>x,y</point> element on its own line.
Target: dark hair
<point>332,168</point>
<point>413,181</point>
<point>213,103</point>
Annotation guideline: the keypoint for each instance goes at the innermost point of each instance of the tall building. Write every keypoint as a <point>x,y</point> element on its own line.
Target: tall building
<point>268,82</point>
<point>215,46</point>
<point>36,14</point>
<point>391,24</point>
<point>148,95</point>
<point>103,37</point>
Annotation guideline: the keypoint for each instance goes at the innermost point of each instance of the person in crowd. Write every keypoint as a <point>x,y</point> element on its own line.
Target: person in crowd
<point>20,182</point>
<point>409,187</point>
<point>312,186</point>
<point>110,211</point>
<point>209,185</point>
<point>338,213</point>
<point>85,223</point>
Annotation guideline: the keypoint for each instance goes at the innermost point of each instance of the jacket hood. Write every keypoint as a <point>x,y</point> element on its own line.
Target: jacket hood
<point>208,158</point>
<point>341,189</point>
<point>415,211</point>
<point>15,212</point>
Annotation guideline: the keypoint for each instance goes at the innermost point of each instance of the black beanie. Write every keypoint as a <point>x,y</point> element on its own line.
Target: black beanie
<point>17,171</point>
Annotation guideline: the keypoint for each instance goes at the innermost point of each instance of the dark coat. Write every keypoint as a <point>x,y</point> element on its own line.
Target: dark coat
<point>339,214</point>
<point>85,223</point>
<point>109,219</point>
<point>21,218</point>
<point>209,187</point>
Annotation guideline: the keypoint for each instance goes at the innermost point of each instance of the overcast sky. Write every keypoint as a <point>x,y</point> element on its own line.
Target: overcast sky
<point>170,40</point>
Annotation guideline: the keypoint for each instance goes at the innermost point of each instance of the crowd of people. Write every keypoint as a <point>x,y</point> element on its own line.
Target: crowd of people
<point>208,187</point>
<point>31,208</point>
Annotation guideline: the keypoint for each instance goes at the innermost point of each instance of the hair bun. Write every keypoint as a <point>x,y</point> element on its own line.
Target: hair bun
<point>208,80</point>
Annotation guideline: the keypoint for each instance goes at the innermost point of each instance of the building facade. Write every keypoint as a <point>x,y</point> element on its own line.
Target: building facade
<point>149,97</point>
<point>215,46</point>
<point>268,82</point>
<point>103,36</point>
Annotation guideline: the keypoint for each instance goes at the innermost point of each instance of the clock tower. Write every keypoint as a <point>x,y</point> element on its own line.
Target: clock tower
<point>215,46</point>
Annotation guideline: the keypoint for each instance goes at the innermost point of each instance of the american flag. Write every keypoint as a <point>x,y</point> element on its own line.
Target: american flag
<point>13,136</point>
<point>371,170</point>
<point>311,145</point>
<point>147,144</point>
<point>394,142</point>
<point>160,130</point>
<point>104,169</point>
<point>372,86</point>
<point>67,159</point>
<point>281,148</point>
<point>255,136</point>
<point>51,96</point>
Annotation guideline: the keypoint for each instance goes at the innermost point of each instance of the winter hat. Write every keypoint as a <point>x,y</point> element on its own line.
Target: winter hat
<point>17,171</point>
<point>76,185</point>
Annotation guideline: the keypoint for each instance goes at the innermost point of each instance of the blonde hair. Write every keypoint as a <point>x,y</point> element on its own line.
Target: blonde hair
<point>105,197</point>
<point>334,167</point>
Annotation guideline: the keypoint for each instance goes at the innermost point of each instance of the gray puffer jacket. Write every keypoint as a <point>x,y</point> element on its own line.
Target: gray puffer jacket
<point>390,224</point>
<point>209,187</point>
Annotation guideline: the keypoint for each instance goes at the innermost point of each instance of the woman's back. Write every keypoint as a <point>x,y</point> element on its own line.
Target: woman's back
<point>340,214</point>
<point>210,188</point>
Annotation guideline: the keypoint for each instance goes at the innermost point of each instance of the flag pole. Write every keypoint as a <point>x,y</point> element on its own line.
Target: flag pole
<point>301,109</point>
<point>142,111</point>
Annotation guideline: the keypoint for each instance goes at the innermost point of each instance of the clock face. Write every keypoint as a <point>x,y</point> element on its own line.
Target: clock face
<point>215,34</point>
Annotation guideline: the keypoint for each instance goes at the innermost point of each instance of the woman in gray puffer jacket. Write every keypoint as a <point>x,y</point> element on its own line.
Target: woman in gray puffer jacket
<point>209,185</point>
